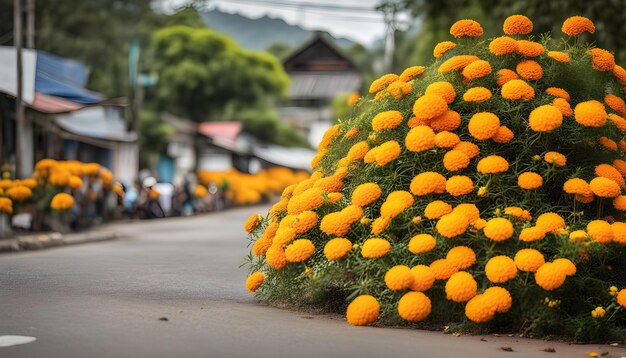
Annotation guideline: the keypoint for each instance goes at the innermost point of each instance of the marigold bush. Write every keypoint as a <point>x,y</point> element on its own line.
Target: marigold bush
<point>500,204</point>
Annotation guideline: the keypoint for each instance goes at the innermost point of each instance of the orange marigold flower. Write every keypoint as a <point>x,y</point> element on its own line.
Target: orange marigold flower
<point>500,269</point>
<point>505,75</point>
<point>446,139</point>
<point>443,47</point>
<point>529,48</point>
<point>436,209</point>
<point>498,229</point>
<point>476,69</point>
<point>399,89</point>
<point>550,222</point>
<point>448,121</point>
<point>608,171</point>
<point>601,60</point>
<point>563,106</point>
<point>469,211</point>
<point>555,158</point>
<point>375,247</point>
<point>517,25</point>
<point>576,25</point>
<point>620,165</point>
<point>530,234</point>
<point>600,231</point>
<point>387,152</point>
<point>254,281</point>
<point>382,82</point>
<point>559,56</point>
<point>462,257</point>
<point>299,250</point>
<point>545,118</point>
<point>366,194</point>
<point>459,185</point>
<point>469,148</point>
<point>275,257</point>
<point>411,72</point>
<point>605,187</point>
<point>380,224</point>
<point>414,306</point>
<point>358,151</point>
<point>442,269</point>
<point>442,89</point>
<point>337,248</point>
<point>453,224</point>
<point>503,45</point>
<point>566,265</point>
<point>477,94</point>
<point>422,243</point>
<point>420,138</point>
<point>466,27</point>
<point>517,89</point>
<point>558,92</point>
<point>396,202</point>
<point>455,160</point>
<point>252,223</point>
<point>529,180</point>
<point>429,106</point>
<point>529,260</point>
<point>550,276</point>
<point>577,186</point>
<point>492,164</point>
<point>363,311</point>
<point>428,183</point>
<point>503,135</point>
<point>456,63</point>
<point>619,231</point>
<point>398,278</point>
<point>529,70</point>
<point>480,309</point>
<point>617,104</point>
<point>518,213</point>
<point>499,297</point>
<point>461,287</point>
<point>620,74</point>
<point>483,125</point>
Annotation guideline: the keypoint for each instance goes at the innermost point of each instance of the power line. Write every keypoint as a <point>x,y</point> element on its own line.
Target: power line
<point>309,5</point>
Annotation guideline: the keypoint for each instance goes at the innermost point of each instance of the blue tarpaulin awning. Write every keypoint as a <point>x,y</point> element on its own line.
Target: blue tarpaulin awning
<point>60,77</point>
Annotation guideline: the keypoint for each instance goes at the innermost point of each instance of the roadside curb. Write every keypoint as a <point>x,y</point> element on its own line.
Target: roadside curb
<point>55,239</point>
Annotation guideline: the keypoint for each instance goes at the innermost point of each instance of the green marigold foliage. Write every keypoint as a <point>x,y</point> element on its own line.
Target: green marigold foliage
<point>491,183</point>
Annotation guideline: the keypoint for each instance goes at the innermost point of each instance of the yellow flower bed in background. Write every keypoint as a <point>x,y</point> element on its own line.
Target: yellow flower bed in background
<point>485,190</point>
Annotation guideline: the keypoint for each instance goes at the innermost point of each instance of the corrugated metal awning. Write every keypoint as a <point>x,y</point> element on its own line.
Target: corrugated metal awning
<point>97,122</point>
<point>322,85</point>
<point>50,104</point>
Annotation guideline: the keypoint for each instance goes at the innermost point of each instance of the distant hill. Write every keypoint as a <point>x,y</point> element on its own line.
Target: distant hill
<point>258,34</point>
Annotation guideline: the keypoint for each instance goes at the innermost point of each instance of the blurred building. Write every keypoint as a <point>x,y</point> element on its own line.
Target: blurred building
<point>319,71</point>
<point>67,121</point>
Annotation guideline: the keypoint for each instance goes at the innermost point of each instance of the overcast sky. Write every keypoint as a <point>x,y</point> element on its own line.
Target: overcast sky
<point>352,19</point>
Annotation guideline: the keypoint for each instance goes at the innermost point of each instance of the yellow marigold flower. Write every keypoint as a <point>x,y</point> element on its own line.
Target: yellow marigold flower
<point>480,223</point>
<point>621,298</point>
<point>566,265</point>
<point>422,243</point>
<point>483,125</point>
<point>382,82</point>
<point>498,229</point>
<point>559,56</point>
<point>605,187</point>
<point>459,185</point>
<point>598,312</point>
<point>480,309</point>
<point>601,60</point>
<point>366,194</point>
<point>315,162</point>
<point>305,221</point>
<point>578,236</point>
<point>436,209</point>
<point>550,222</point>
<point>46,164</point>
<point>505,75</point>
<point>429,106</point>
<point>550,276</point>
<point>615,103</point>
<point>252,223</point>
<point>503,45</point>
<point>329,184</point>
<point>461,287</point>
<point>307,200</point>
<point>334,197</point>
<point>545,118</point>
<point>396,202</point>
<point>529,48</point>
<point>529,260</point>
<point>443,47</point>
<point>563,106</point>
<point>529,180</point>
<point>517,89</point>
<point>358,151</point>
<point>351,133</point>
<point>59,178</point>
<point>423,278</point>
<point>477,94</point>
<point>75,182</point>
<point>620,74</point>
<point>339,223</point>
<point>374,248</point>
<point>261,246</point>
<point>399,89</point>
<point>380,224</point>
<point>417,220</point>
<point>469,211</point>
<point>462,257</point>
<point>442,89</point>
<point>448,121</point>
<point>503,135</point>
<point>517,25</point>
<point>363,311</point>
<point>446,139</point>
<point>453,224</point>
<point>442,269</point>
<point>555,158</point>
<point>576,25</point>
<point>414,122</point>
<point>608,143</point>
<point>456,63</point>
<point>470,149</point>
<point>61,202</point>
<point>529,70</point>
<point>254,281</point>
<point>284,235</point>
<point>414,306</point>
<point>619,232</point>
<point>387,152</point>
<point>466,27</point>
<point>518,213</point>
<point>398,278</point>
<point>420,138</point>
<point>411,72</point>
<point>558,92</point>
<point>386,120</point>
<point>6,206</point>
<point>608,171</point>
<point>577,186</point>
<point>600,231</point>
<point>20,192</point>
<point>590,113</point>
<point>619,203</point>
<point>476,69</point>
<point>428,183</point>
<point>492,164</point>
<point>279,207</point>
<point>351,101</point>
<point>499,297</point>
<point>275,257</point>
<point>500,269</point>
<point>455,160</point>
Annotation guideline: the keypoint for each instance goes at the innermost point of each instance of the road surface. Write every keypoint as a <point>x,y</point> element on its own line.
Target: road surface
<point>107,299</point>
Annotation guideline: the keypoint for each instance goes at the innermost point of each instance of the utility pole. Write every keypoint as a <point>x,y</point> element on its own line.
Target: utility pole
<point>30,23</point>
<point>389,9</point>
<point>23,129</point>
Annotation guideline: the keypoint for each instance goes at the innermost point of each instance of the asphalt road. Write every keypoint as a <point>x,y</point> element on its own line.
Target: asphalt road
<point>105,300</point>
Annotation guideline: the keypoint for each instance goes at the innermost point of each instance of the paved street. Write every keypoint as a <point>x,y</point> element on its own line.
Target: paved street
<point>105,300</point>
